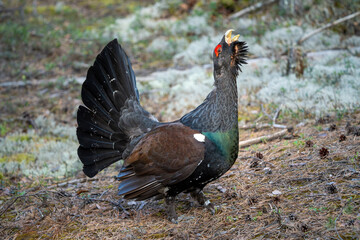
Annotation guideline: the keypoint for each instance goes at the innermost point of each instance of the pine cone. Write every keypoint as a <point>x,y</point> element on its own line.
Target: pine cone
<point>309,143</point>
<point>342,138</point>
<point>332,127</point>
<point>323,152</point>
<point>259,155</point>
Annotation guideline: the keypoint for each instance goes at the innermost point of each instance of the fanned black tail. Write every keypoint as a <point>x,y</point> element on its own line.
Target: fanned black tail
<point>109,84</point>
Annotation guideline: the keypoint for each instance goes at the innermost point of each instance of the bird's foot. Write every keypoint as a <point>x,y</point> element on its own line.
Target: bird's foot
<point>203,201</point>
<point>210,206</point>
<point>172,216</point>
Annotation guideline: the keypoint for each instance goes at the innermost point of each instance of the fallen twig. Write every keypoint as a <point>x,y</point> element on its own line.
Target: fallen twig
<point>118,205</point>
<point>273,118</point>
<point>262,138</point>
<point>251,8</point>
<point>81,180</point>
<point>257,175</point>
<point>266,125</point>
<point>297,164</point>
<point>39,82</point>
<point>256,126</point>
<point>340,20</point>
<point>10,204</point>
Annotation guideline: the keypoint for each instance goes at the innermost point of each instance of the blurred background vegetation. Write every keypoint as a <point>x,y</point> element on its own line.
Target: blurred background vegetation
<point>41,39</point>
<point>47,46</point>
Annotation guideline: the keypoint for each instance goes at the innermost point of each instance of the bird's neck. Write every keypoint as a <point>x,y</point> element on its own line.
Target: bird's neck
<point>225,102</point>
<point>219,111</point>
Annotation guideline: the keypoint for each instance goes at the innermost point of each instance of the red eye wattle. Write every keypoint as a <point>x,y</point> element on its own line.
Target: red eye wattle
<point>218,50</point>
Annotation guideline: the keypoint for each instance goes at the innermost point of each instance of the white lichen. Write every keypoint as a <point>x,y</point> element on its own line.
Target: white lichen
<point>330,79</point>
<point>53,147</point>
<point>184,89</point>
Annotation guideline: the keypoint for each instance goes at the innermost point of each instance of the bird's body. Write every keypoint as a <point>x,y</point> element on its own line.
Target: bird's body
<point>160,159</point>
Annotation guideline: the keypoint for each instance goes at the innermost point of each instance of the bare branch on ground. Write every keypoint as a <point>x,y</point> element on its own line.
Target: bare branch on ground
<point>262,138</point>
<point>251,8</point>
<point>73,181</point>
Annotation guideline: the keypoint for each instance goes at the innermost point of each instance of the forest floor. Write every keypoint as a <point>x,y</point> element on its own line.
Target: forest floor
<point>302,185</point>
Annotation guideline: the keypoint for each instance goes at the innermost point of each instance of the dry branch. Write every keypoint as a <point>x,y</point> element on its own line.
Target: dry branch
<point>273,119</point>
<point>73,181</point>
<point>251,9</point>
<point>256,126</point>
<point>262,138</point>
<point>115,204</point>
<point>340,20</point>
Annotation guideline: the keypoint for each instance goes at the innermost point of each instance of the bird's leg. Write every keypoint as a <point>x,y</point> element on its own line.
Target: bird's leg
<point>202,200</point>
<point>170,202</point>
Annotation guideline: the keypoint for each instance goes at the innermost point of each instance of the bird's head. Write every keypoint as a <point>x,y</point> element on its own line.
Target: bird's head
<point>229,54</point>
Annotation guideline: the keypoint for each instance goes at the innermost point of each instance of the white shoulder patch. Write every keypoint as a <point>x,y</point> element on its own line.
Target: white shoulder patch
<point>199,137</point>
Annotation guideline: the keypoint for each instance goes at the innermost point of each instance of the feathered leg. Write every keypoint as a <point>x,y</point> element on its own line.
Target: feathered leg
<point>170,202</point>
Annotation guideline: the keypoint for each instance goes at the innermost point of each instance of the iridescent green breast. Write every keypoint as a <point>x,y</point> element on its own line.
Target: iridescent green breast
<point>227,143</point>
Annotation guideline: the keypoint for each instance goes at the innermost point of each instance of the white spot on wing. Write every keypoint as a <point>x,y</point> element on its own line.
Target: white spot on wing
<point>199,137</point>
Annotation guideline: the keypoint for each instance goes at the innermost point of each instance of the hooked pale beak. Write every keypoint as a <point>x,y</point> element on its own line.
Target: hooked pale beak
<point>229,39</point>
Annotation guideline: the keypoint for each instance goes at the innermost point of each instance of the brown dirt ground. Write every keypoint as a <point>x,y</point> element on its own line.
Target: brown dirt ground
<point>307,195</point>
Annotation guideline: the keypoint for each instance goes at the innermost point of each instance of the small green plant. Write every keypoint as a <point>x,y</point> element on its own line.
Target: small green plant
<point>330,222</point>
<point>277,211</point>
<point>299,143</point>
<point>319,128</point>
<point>321,209</point>
<point>255,147</point>
<point>50,66</point>
<point>354,159</point>
<point>3,129</point>
<point>356,156</point>
<point>349,209</point>
<point>282,90</point>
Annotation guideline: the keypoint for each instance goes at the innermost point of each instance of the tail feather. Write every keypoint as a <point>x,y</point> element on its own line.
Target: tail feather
<point>109,84</point>
<point>96,105</point>
<point>90,123</point>
<point>89,157</point>
<point>91,141</point>
<point>103,93</point>
<point>117,65</point>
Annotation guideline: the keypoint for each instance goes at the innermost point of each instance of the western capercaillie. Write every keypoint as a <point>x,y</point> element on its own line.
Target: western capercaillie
<point>161,160</point>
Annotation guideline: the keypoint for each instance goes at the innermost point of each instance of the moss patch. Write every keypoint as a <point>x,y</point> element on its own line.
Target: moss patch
<point>19,157</point>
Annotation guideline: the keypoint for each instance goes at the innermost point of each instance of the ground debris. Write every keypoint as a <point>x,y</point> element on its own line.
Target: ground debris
<point>303,197</point>
<point>353,130</point>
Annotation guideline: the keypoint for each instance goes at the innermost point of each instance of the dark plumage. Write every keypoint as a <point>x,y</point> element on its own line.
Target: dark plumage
<point>160,159</point>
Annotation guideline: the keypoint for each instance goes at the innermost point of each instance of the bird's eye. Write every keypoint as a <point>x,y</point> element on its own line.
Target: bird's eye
<point>218,50</point>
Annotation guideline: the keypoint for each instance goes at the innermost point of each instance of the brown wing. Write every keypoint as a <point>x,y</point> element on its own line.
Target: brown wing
<point>165,156</point>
